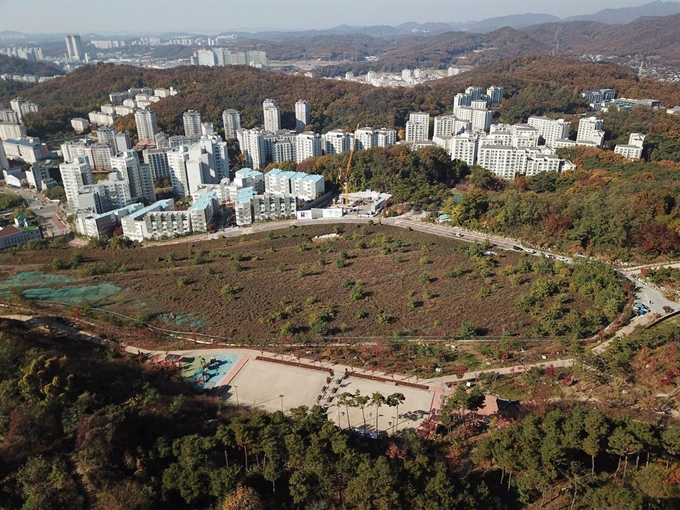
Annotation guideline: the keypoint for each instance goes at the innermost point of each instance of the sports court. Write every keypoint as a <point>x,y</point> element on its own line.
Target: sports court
<point>272,386</point>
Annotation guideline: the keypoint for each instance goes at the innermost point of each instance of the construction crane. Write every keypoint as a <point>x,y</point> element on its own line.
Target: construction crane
<point>345,175</point>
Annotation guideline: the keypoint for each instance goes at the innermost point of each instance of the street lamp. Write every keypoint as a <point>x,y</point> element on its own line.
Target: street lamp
<point>236,388</point>
<point>281,402</point>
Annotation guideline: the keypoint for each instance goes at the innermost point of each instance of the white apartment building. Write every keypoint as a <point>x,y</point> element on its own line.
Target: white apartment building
<point>177,166</point>
<point>307,187</point>
<point>474,92</point>
<point>207,163</point>
<point>138,175</point>
<point>160,220</point>
<point>98,154</point>
<point>590,132</point>
<point>450,125</point>
<point>307,145</point>
<point>75,174</point>
<point>386,137</point>
<point>192,123</point>
<point>11,130</point>
<point>633,150</point>
<point>102,225</point>
<point>524,136</point>
<point>251,207</point>
<point>8,115</point>
<point>74,48</point>
<point>478,104</point>
<point>147,127</point>
<point>464,147</point>
<point>283,150</point>
<point>418,127</point>
<point>157,159</point>
<point>550,129</point>
<point>251,142</point>
<point>461,100</point>
<point>106,134</point>
<point>106,195</point>
<point>102,118</point>
<point>249,178</point>
<point>365,138</point>
<point>26,148</point>
<point>231,119</point>
<point>272,115</point>
<point>22,107</point>
<point>302,115</point>
<point>123,142</point>
<point>80,125</point>
<point>336,141</point>
<point>495,94</point>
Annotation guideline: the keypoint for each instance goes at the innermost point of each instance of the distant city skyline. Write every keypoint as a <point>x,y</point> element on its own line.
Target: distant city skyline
<point>214,16</point>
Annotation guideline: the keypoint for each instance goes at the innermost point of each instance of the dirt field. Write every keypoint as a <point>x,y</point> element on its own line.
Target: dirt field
<point>372,281</point>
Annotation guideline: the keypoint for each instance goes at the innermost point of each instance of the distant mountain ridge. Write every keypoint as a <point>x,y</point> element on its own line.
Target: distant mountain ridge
<point>629,14</point>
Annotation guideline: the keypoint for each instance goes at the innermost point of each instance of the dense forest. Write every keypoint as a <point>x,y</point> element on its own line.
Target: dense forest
<point>609,207</point>
<point>83,427</point>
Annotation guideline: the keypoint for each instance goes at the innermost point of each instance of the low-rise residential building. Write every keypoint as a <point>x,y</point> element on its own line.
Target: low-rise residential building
<point>12,236</point>
<point>80,125</point>
<point>103,225</point>
<point>28,149</point>
<point>13,130</point>
<point>633,150</point>
<point>247,177</point>
<point>161,220</point>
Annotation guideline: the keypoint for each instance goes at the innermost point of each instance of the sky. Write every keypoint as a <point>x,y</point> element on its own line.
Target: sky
<point>214,16</point>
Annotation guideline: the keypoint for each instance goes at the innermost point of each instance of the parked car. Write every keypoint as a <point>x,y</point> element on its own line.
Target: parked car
<point>517,248</point>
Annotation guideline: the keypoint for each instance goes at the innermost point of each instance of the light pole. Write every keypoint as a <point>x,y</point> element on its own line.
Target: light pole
<point>281,402</point>
<point>237,404</point>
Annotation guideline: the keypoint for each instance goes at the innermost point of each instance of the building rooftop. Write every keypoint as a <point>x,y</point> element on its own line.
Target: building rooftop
<point>245,194</point>
<point>247,172</point>
<point>8,231</point>
<point>203,201</point>
<point>160,205</point>
<point>127,209</point>
<point>30,142</point>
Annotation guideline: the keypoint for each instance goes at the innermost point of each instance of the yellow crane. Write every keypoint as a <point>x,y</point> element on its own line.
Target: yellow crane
<point>345,175</point>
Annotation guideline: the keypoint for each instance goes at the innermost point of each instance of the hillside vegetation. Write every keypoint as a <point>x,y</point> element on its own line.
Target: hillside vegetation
<point>534,85</point>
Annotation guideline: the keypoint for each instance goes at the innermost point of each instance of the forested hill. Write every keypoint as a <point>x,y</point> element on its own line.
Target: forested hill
<point>12,65</point>
<point>534,85</point>
<point>656,38</point>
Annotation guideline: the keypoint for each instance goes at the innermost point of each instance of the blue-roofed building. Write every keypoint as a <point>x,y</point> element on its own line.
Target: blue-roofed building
<point>103,225</point>
<point>243,208</point>
<point>202,211</point>
<point>307,187</point>
<point>147,223</point>
<point>247,177</point>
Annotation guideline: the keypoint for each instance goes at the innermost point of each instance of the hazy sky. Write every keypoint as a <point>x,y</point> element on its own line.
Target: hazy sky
<point>212,16</point>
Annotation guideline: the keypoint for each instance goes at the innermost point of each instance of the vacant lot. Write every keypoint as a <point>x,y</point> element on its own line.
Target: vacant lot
<point>371,281</point>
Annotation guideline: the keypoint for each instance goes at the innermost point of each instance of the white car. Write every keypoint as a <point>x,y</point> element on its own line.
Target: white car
<point>529,250</point>
<point>458,234</point>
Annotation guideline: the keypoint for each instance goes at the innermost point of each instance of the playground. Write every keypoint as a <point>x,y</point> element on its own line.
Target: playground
<point>206,372</point>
